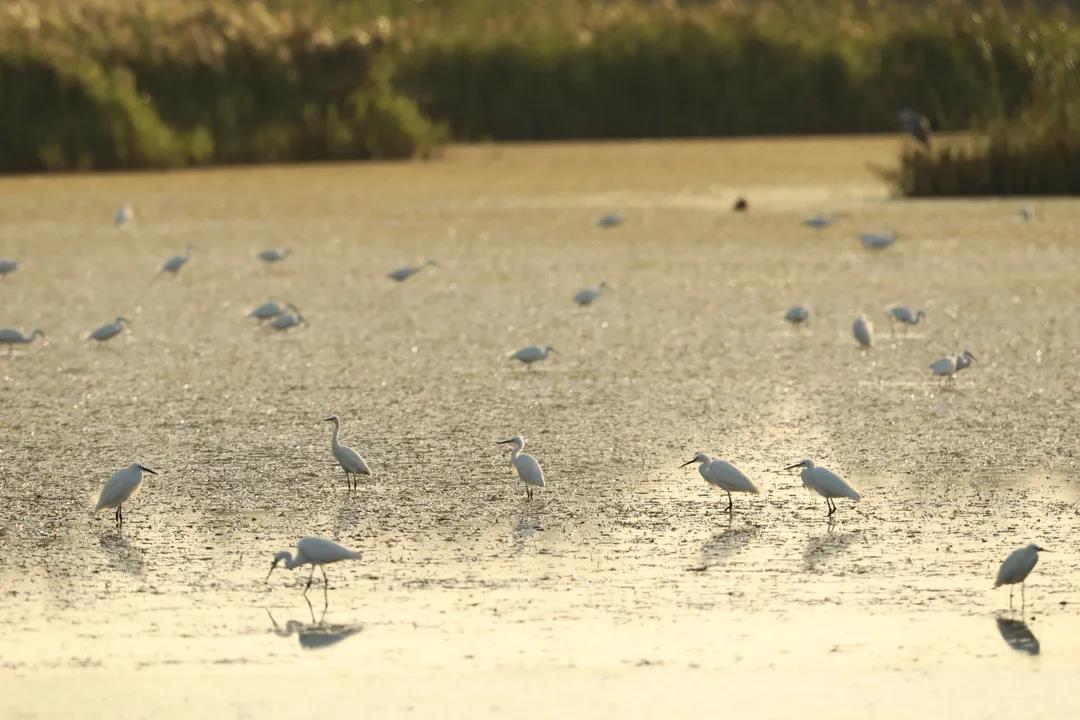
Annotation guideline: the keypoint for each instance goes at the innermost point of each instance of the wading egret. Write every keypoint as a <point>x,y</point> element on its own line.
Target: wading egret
<point>533,353</point>
<point>878,241</point>
<point>124,215</point>
<point>290,318</point>
<point>948,366</point>
<point>527,468</point>
<point>8,266</point>
<point>108,330</point>
<point>350,460</point>
<point>723,475</point>
<point>11,336</point>
<point>1017,567</point>
<point>915,125</point>
<point>797,314</point>
<point>904,316</point>
<point>313,551</point>
<point>863,330</point>
<point>271,255</point>
<point>825,483</point>
<point>267,310</point>
<point>609,221</point>
<point>173,264</point>
<point>404,273</point>
<point>122,486</point>
<point>586,296</point>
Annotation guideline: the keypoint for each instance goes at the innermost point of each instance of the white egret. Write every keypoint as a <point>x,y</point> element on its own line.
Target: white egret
<point>878,241</point>
<point>964,360</point>
<point>121,487</point>
<point>350,460</point>
<point>11,336</point>
<point>723,475</point>
<point>288,319</point>
<point>610,220</point>
<point>8,266</point>
<point>533,353</point>
<point>528,469</point>
<point>904,315</point>
<point>108,330</point>
<point>863,330</point>
<point>825,483</point>
<point>267,310</point>
<point>587,295</point>
<point>1027,213</point>
<point>313,551</point>
<point>124,215</point>
<point>797,314</point>
<point>271,255</point>
<point>404,273</point>
<point>174,263</point>
<point>948,366</point>
<point>1017,567</point>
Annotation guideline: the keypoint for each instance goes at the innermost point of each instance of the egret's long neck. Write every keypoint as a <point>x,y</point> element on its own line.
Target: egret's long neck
<point>514,452</point>
<point>333,438</point>
<point>290,563</point>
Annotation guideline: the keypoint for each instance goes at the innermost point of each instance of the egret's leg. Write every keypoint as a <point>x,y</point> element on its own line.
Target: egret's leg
<point>1023,600</point>
<point>310,578</point>
<point>1010,597</point>
<point>326,582</point>
<point>729,501</point>
<point>829,504</point>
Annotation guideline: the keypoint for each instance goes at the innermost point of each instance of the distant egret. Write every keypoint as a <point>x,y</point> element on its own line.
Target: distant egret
<point>271,255</point>
<point>122,486</point>
<point>288,319</point>
<point>1017,567</point>
<point>108,330</point>
<point>404,273</point>
<point>174,263</point>
<point>314,552</point>
<point>916,125</point>
<point>964,360</point>
<point>863,330</point>
<point>723,475</point>
<point>948,366</point>
<point>586,296</point>
<point>349,459</point>
<point>124,215</point>
<point>797,314</point>
<point>825,483</point>
<point>8,266</point>
<point>878,241</point>
<point>904,316</point>
<point>528,469</point>
<point>741,205</point>
<point>533,353</point>
<point>1027,213</point>
<point>609,221</point>
<point>267,310</point>
<point>11,336</point>
<point>818,222</point>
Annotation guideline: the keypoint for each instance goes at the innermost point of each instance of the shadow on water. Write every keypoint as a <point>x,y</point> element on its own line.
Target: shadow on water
<point>121,554</point>
<point>315,635</point>
<point>721,546</point>
<point>526,527</point>
<point>827,545</point>
<point>1018,635</point>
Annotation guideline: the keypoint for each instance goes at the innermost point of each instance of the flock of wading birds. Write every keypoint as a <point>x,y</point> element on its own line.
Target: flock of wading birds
<point>318,552</point>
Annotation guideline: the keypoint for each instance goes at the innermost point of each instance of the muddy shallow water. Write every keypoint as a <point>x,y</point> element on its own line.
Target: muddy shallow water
<point>623,587</point>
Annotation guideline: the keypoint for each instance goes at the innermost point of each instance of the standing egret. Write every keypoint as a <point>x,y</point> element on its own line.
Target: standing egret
<point>290,318</point>
<point>174,263</point>
<point>1017,567</point>
<point>122,486</point>
<point>8,266</point>
<point>11,336</point>
<point>878,241</point>
<point>723,475</point>
<point>271,255</point>
<point>313,551</point>
<point>533,353</point>
<point>610,220</point>
<point>916,125</point>
<point>863,330</point>
<point>797,315</point>
<point>124,215</point>
<point>1027,213</point>
<point>825,483</point>
<point>404,273</point>
<point>267,310</point>
<point>108,330</point>
<point>527,468</point>
<point>904,316</point>
<point>948,366</point>
<point>350,460</point>
<point>586,296</point>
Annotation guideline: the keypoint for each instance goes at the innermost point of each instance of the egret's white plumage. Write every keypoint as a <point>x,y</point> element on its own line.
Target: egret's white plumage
<point>124,215</point>
<point>349,459</point>
<point>11,336</point>
<point>797,314</point>
<point>533,353</point>
<point>948,366</point>
<point>269,309</point>
<point>902,314</point>
<point>272,255</point>
<point>313,551</point>
<point>863,330</point>
<point>174,263</point>
<point>723,475</point>
<point>108,330</point>
<point>528,469</point>
<point>404,273</point>
<point>878,241</point>
<point>8,266</point>
<point>121,487</point>
<point>1017,567</point>
<point>586,296</point>
<point>825,483</point>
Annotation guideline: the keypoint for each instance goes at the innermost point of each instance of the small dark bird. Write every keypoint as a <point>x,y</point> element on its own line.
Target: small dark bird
<point>916,125</point>
<point>741,205</point>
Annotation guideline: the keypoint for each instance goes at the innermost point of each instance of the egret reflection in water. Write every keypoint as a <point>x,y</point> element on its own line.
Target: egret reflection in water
<point>721,546</point>
<point>1018,635</point>
<point>121,554</point>
<point>315,635</point>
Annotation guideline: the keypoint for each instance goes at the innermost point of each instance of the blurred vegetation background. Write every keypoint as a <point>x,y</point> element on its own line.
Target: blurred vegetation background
<point>89,84</point>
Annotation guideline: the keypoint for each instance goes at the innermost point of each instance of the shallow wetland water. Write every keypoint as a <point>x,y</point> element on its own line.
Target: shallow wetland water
<point>623,588</point>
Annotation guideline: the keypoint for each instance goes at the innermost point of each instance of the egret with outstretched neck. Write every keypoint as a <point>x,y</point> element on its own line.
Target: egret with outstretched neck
<point>723,475</point>
<point>528,469</point>
<point>108,330</point>
<point>174,263</point>
<point>825,483</point>
<point>313,551</point>
<point>533,353</point>
<point>904,316</point>
<point>1017,567</point>
<point>121,487</point>
<point>349,459</point>
<point>12,337</point>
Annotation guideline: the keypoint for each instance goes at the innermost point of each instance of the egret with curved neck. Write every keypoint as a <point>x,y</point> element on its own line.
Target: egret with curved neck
<point>528,469</point>
<point>315,552</point>
<point>349,459</point>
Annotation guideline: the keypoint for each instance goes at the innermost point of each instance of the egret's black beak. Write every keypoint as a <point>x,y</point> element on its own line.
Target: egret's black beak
<point>146,469</point>
<point>1041,549</point>
<point>505,442</point>
<point>687,463</point>
<point>329,419</point>
<point>792,467</point>
<point>272,566</point>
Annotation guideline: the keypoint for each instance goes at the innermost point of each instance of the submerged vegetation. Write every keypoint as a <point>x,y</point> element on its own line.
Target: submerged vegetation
<point>161,83</point>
